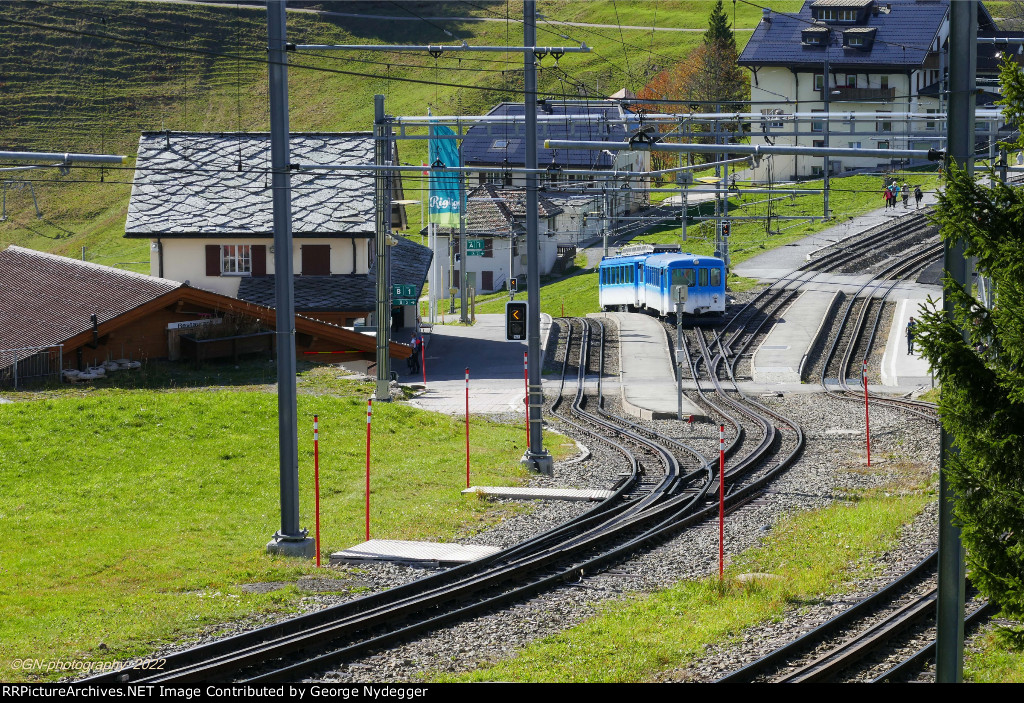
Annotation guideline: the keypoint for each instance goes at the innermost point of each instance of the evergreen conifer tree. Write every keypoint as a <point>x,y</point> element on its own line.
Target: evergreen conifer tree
<point>718,31</point>
<point>979,360</point>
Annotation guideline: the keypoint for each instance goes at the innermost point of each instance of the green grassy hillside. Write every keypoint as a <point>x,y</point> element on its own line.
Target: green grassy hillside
<point>90,76</point>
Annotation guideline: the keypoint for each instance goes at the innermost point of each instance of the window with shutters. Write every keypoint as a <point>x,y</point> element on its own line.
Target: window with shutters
<point>488,248</point>
<point>236,260</point>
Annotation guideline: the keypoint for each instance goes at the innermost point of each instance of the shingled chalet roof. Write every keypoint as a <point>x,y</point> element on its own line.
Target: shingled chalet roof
<point>905,32</point>
<point>47,298</point>
<point>491,143</point>
<point>346,293</point>
<point>199,184</point>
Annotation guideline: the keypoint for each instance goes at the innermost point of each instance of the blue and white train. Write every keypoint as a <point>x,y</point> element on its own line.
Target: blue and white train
<point>640,278</point>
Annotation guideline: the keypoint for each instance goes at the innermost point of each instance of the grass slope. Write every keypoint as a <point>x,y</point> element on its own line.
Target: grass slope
<point>140,513</point>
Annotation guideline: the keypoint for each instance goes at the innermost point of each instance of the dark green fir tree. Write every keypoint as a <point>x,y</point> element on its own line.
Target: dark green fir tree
<point>979,359</point>
<point>718,31</point>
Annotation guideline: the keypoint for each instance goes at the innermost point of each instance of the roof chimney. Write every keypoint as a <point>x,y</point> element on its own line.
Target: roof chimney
<point>766,14</point>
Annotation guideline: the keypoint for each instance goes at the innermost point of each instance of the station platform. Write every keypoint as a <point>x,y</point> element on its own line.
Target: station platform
<point>646,372</point>
<point>899,367</point>
<point>495,368</point>
<point>784,352</point>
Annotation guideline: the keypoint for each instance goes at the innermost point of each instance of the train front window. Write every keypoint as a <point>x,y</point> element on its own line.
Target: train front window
<point>716,277</point>
<point>684,277</point>
<point>703,278</point>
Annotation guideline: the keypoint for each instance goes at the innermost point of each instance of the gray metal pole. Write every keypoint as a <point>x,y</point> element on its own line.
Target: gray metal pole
<point>289,540</point>
<point>949,643</point>
<point>826,89</point>
<point>463,265</point>
<point>536,457</point>
<point>382,229</point>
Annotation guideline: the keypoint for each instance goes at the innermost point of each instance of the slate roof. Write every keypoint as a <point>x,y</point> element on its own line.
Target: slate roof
<point>48,299</point>
<point>345,293</point>
<point>199,184</point>
<point>484,142</point>
<point>902,41</point>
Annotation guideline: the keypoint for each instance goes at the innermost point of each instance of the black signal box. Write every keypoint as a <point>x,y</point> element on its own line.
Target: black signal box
<point>515,320</point>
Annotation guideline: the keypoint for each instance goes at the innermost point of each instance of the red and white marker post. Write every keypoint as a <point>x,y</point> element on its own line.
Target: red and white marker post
<point>721,502</point>
<point>867,417</point>
<point>369,417</point>
<point>526,398</point>
<point>467,427</point>
<point>316,481</point>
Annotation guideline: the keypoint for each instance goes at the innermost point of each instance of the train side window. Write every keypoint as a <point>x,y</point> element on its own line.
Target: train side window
<point>703,277</point>
<point>716,277</point>
<point>684,277</point>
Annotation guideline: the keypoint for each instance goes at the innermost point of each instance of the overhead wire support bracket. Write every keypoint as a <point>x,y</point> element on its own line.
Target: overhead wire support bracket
<point>437,49</point>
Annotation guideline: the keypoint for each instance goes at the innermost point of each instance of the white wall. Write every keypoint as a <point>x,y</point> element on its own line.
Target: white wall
<point>185,260</point>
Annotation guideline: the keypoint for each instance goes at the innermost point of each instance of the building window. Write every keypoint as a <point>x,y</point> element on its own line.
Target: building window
<point>854,145</point>
<point>855,40</point>
<point>884,144</point>
<point>818,143</point>
<point>819,81</point>
<point>833,15</point>
<point>883,125</point>
<point>930,124</point>
<point>817,125</point>
<point>488,248</point>
<point>884,80</point>
<point>816,170</point>
<point>236,259</point>
<point>851,80</point>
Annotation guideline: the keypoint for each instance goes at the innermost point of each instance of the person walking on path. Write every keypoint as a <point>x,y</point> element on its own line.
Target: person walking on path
<point>887,194</point>
<point>911,326</point>
<point>918,195</point>
<point>895,194</point>
<point>906,195</point>
<point>414,360</point>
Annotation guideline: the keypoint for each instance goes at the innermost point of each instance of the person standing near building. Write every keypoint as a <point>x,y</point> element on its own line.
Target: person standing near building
<point>918,195</point>
<point>906,195</point>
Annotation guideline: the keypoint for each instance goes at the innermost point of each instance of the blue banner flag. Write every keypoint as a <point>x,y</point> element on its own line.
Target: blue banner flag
<point>444,187</point>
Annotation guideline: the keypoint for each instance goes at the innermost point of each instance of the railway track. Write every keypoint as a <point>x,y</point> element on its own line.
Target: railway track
<point>841,649</point>
<point>660,495</point>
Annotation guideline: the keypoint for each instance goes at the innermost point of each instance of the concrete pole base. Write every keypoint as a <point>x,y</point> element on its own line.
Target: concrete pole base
<point>542,463</point>
<point>304,547</point>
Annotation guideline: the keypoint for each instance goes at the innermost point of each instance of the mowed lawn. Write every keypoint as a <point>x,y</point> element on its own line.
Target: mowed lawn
<point>134,516</point>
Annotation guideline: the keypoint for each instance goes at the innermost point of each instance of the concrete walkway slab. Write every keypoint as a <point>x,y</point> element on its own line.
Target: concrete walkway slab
<point>527,493</point>
<point>782,355</point>
<point>406,552</point>
<point>646,374</point>
<point>899,367</point>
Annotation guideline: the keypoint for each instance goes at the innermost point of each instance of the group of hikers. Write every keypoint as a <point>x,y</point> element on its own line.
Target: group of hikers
<point>893,191</point>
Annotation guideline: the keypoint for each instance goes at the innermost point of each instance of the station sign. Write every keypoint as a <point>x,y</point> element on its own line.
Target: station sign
<point>475,247</point>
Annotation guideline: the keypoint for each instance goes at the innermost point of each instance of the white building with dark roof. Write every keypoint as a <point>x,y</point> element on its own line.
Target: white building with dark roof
<point>885,61</point>
<point>205,203</point>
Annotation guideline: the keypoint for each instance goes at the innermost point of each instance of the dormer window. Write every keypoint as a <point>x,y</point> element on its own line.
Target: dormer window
<point>859,38</point>
<point>815,36</point>
<point>840,11</point>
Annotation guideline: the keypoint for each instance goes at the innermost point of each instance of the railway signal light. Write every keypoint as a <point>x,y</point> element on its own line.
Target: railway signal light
<point>515,320</point>
<point>725,229</point>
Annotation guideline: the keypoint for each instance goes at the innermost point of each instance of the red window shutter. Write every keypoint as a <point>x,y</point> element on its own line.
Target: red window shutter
<point>316,259</point>
<point>212,259</point>
<point>259,259</point>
